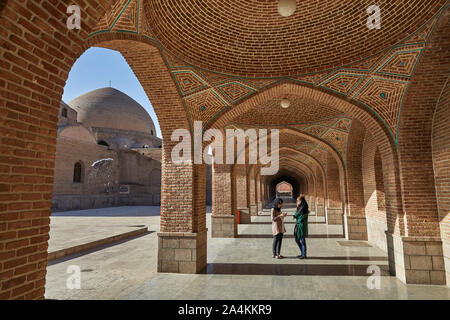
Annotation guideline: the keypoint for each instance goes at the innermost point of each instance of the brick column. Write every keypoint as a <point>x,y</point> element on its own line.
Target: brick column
<point>334,203</point>
<point>355,220</point>
<point>259,203</point>
<point>266,195</point>
<point>320,204</point>
<point>183,237</point>
<point>240,176</point>
<point>312,204</point>
<point>223,219</point>
<point>251,191</point>
<point>421,246</point>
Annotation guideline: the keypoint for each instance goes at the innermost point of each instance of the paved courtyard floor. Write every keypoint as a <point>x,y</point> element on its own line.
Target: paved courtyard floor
<point>241,268</point>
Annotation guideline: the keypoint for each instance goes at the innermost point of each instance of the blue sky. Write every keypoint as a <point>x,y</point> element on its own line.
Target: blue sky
<point>95,68</point>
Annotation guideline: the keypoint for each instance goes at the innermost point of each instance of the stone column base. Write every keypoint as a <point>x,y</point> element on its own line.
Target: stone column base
<point>260,206</point>
<point>334,216</point>
<point>245,215</point>
<point>224,226</point>
<point>446,248</point>
<point>320,211</point>
<point>355,228</point>
<point>253,210</point>
<point>180,252</point>
<point>416,260</point>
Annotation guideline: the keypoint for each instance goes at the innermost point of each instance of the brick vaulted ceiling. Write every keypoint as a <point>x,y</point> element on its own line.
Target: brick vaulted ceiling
<point>333,132</point>
<point>250,39</point>
<point>215,71</point>
<point>271,113</point>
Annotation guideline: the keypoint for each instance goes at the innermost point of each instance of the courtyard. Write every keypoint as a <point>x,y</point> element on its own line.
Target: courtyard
<point>237,269</point>
<point>143,144</point>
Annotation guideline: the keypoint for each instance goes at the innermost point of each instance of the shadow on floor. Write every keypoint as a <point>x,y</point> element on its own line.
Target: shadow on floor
<point>269,222</point>
<point>292,269</point>
<point>153,211</point>
<point>80,254</point>
<point>290,236</point>
<point>345,258</point>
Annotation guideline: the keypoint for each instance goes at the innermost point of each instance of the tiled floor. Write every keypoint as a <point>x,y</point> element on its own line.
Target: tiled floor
<point>241,268</point>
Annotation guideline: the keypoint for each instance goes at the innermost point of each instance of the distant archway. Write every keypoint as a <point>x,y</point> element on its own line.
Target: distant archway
<point>284,190</point>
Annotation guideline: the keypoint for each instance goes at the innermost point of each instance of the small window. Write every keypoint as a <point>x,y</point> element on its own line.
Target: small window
<point>77,172</point>
<point>103,143</point>
<point>151,132</point>
<point>64,113</point>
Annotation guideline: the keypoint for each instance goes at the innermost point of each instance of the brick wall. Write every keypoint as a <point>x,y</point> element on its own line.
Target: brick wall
<point>251,186</point>
<point>441,160</point>
<point>222,189</point>
<point>375,207</point>
<point>36,55</point>
<point>415,131</point>
<point>240,173</point>
<point>355,219</point>
<point>334,205</point>
<point>355,188</point>
<point>321,183</point>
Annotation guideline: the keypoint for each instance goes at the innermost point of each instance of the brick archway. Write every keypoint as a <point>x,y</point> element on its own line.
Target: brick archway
<point>294,166</point>
<point>31,90</point>
<point>441,151</point>
<point>284,187</point>
<point>374,196</point>
<point>415,131</point>
<point>421,191</point>
<point>35,62</point>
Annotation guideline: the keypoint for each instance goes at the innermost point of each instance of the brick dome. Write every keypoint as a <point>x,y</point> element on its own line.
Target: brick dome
<point>251,39</point>
<point>112,109</point>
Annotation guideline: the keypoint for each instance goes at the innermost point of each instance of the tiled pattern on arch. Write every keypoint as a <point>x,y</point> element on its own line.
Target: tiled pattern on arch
<point>386,97</point>
<point>342,83</point>
<point>338,139</point>
<point>188,82</point>
<point>204,104</point>
<point>401,63</point>
<point>212,77</point>
<point>368,64</point>
<point>129,18</point>
<point>378,82</point>
<point>235,91</point>
<point>316,130</point>
<point>123,16</point>
<point>311,78</point>
<point>344,124</point>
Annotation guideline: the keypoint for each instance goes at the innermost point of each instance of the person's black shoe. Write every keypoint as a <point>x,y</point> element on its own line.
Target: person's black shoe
<point>301,257</point>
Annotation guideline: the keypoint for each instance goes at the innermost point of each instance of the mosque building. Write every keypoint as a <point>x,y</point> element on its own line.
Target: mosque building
<point>107,153</point>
